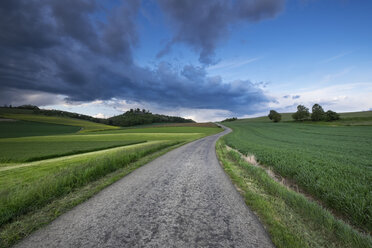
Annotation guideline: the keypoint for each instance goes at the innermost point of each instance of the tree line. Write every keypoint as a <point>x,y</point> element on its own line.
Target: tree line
<point>303,113</point>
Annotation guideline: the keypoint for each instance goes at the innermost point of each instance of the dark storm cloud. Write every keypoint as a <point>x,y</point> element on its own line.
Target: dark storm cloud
<point>203,24</point>
<point>70,48</point>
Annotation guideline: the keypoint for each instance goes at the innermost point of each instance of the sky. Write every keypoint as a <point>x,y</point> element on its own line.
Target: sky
<point>206,60</point>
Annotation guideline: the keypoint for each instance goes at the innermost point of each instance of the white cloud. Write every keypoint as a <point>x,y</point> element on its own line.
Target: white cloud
<point>233,63</point>
<point>99,115</point>
<point>341,98</point>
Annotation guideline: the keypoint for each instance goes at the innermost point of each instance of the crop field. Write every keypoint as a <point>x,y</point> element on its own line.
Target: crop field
<point>331,163</point>
<point>36,171</point>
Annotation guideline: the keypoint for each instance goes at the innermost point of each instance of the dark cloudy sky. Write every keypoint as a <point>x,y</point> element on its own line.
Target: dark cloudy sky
<point>205,60</point>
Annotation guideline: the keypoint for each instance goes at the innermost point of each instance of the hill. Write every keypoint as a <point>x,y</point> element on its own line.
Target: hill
<point>31,116</point>
<point>135,117</point>
<point>362,118</point>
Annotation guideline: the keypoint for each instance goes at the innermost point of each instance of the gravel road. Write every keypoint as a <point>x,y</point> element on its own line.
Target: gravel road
<point>181,199</point>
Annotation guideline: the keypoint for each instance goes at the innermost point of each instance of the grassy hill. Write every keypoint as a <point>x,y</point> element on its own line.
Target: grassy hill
<point>13,129</point>
<point>347,119</point>
<point>135,117</point>
<point>84,125</point>
<point>29,119</point>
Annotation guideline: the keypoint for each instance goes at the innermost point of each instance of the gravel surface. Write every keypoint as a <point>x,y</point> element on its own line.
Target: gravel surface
<point>181,199</point>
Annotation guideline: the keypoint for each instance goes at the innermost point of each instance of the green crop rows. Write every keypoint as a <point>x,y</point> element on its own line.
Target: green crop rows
<point>332,163</point>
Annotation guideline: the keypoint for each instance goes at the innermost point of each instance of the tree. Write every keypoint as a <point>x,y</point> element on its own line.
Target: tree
<point>274,116</point>
<point>301,114</point>
<point>331,116</point>
<point>317,113</point>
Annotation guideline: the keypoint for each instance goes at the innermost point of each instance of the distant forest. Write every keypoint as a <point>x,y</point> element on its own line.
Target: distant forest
<point>132,117</point>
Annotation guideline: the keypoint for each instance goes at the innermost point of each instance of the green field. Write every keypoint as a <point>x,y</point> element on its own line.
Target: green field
<point>23,149</point>
<point>332,163</point>
<point>70,164</point>
<point>13,129</point>
<point>85,126</point>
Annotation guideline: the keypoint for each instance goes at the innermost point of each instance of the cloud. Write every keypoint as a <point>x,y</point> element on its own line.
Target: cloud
<point>344,97</point>
<point>296,97</point>
<point>84,51</point>
<point>100,115</point>
<point>204,24</point>
<point>18,97</point>
<point>231,64</point>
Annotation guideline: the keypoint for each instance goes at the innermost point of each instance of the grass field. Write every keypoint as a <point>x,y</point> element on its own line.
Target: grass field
<point>28,187</point>
<point>85,126</point>
<point>13,129</point>
<point>23,149</point>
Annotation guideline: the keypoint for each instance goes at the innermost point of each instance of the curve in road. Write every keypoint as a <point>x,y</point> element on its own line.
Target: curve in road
<point>181,199</point>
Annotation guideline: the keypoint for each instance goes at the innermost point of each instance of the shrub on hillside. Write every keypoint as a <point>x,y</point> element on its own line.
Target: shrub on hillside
<point>331,116</point>
<point>230,119</point>
<point>274,116</point>
<point>301,114</point>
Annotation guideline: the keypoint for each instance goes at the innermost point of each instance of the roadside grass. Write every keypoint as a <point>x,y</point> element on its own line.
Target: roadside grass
<point>86,126</point>
<point>26,189</point>
<point>14,129</point>
<point>23,225</point>
<point>290,218</point>
<point>332,164</point>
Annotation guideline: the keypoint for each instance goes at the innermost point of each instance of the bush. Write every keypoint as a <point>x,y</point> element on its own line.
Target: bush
<point>317,113</point>
<point>301,114</point>
<point>331,116</point>
<point>274,116</point>
<point>230,119</point>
